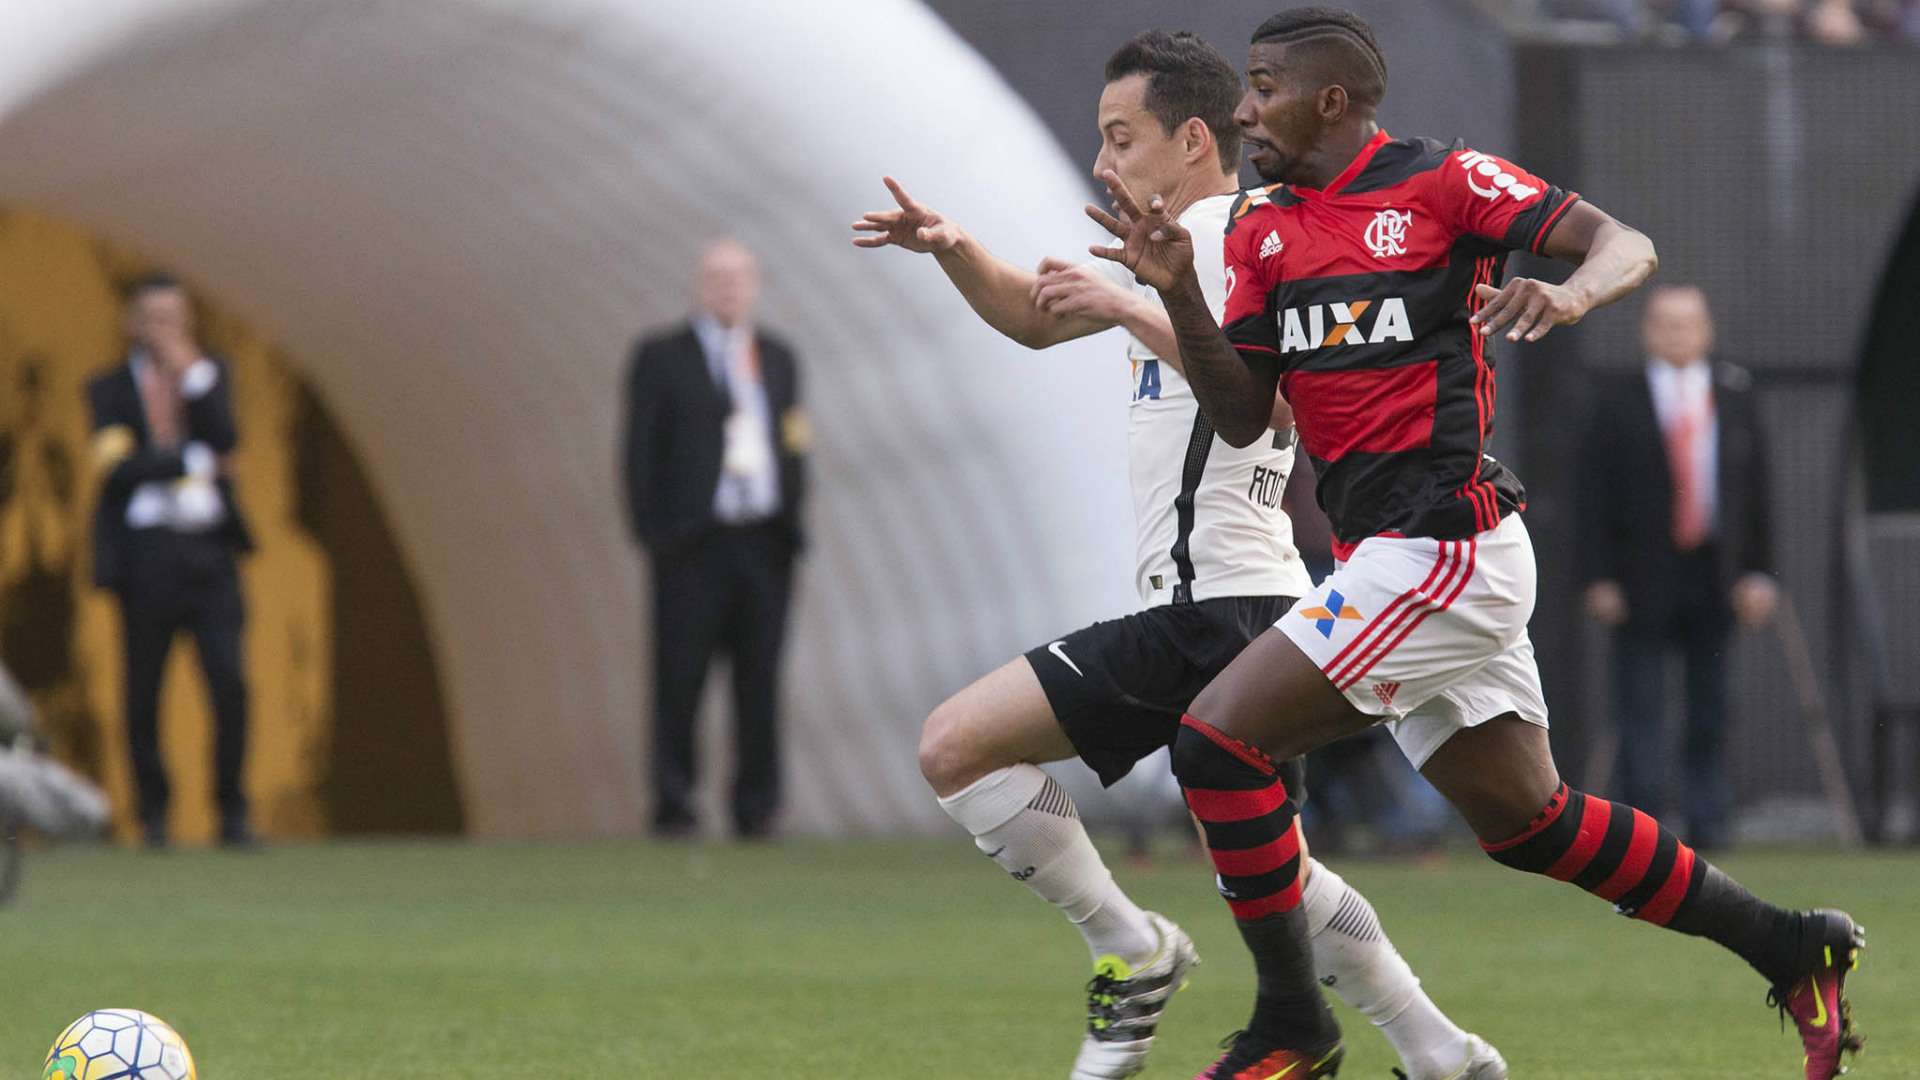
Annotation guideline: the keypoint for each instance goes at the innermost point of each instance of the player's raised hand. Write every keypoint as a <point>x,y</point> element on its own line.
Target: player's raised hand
<point>1153,245</point>
<point>1526,308</point>
<point>911,225</point>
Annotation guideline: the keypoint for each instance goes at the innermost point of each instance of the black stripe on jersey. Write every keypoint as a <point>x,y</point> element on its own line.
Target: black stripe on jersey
<point>1530,230</point>
<point>1364,494</point>
<point>1397,161</point>
<point>1437,310</point>
<point>1198,447</point>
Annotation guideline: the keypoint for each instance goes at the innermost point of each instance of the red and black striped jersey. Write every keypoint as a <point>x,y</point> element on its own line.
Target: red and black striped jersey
<point>1362,291</point>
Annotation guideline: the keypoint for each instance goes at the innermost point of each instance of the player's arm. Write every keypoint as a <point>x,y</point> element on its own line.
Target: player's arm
<point>1238,390</point>
<point>1235,386</point>
<point>1612,260</point>
<point>999,292</point>
<point>1086,291</point>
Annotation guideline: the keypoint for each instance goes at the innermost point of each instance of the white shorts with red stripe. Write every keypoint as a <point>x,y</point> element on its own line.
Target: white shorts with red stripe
<point>1430,635</point>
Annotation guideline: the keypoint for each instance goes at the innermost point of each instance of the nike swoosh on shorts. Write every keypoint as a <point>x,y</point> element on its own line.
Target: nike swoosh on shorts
<point>1056,650</point>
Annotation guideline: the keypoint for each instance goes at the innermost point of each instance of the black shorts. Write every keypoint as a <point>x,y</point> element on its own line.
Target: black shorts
<point>1119,687</point>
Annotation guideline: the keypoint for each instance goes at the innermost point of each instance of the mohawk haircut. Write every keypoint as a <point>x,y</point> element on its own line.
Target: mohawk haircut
<point>1186,78</point>
<point>1340,45</point>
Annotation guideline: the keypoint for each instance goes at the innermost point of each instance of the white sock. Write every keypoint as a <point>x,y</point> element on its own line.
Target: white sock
<point>1352,955</point>
<point>1025,822</point>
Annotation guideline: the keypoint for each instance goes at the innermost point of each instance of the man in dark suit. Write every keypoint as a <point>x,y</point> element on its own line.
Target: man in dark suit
<point>715,481</point>
<point>166,533</point>
<point>1679,544</point>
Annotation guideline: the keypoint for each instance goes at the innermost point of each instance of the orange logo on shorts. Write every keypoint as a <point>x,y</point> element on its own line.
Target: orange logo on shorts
<point>1335,609</point>
<point>1385,691</point>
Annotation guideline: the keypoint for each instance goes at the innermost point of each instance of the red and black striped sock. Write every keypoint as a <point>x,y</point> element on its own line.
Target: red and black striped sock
<point>1621,854</point>
<point>1241,801</point>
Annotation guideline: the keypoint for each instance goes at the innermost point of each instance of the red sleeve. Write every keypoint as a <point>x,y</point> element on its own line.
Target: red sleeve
<point>1247,316</point>
<point>1492,198</point>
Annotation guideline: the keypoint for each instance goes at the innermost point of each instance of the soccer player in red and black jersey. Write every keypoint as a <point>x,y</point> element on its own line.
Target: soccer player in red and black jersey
<point>1366,285</point>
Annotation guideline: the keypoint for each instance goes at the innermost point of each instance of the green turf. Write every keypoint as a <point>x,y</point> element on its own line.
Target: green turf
<point>869,959</point>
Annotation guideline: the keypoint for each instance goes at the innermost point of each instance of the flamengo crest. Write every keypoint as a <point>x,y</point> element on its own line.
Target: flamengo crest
<point>1387,235</point>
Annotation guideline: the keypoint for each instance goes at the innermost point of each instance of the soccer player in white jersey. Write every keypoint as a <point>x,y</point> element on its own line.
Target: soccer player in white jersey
<point>1216,566</point>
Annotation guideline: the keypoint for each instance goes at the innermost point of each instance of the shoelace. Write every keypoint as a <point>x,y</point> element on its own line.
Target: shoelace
<point>1103,1005</point>
<point>1778,1000</point>
<point>1236,1057</point>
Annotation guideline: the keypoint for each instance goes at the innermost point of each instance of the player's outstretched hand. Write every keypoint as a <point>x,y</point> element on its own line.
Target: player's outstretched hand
<point>1153,245</point>
<point>1526,308</point>
<point>912,226</point>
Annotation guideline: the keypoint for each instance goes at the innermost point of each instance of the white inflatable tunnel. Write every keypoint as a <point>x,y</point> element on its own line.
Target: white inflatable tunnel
<point>456,214</point>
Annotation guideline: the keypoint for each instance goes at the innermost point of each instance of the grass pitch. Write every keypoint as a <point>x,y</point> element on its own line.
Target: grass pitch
<point>860,959</point>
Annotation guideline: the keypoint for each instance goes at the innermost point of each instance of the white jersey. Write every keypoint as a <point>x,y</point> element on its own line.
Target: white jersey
<point>1208,516</point>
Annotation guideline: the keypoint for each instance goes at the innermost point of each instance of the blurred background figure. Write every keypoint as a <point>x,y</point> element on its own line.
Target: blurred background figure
<point>40,553</point>
<point>1826,22</point>
<point>1680,545</point>
<point>167,530</point>
<point>715,450</point>
<point>35,790</point>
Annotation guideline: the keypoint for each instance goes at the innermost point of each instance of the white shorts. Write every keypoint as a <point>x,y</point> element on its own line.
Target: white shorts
<point>1429,635</point>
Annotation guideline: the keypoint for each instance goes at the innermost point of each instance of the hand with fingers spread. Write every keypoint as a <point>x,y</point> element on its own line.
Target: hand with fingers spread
<point>1065,289</point>
<point>911,226</point>
<point>1526,308</point>
<point>1153,245</point>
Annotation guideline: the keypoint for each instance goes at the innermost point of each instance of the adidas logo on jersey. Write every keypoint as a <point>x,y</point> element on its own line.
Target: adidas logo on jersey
<point>1323,326</point>
<point>1271,246</point>
<point>1385,691</point>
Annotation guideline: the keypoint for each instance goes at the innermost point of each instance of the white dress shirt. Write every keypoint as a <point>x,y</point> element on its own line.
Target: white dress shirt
<point>749,488</point>
<point>192,502</point>
<point>1678,391</point>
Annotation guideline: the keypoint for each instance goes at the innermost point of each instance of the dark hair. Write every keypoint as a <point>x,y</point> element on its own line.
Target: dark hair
<point>1342,45</point>
<point>152,281</point>
<point>1186,78</point>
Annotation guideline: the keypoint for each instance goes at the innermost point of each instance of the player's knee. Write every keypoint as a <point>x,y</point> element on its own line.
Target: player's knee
<point>1189,755</point>
<point>1497,813</point>
<point>1200,762</point>
<point>948,758</point>
<point>1228,708</point>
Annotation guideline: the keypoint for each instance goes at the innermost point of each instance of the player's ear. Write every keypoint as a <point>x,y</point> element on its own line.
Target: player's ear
<point>1196,141</point>
<point>1333,103</point>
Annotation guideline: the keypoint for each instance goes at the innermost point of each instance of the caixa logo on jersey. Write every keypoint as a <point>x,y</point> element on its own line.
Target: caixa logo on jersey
<point>1355,322</point>
<point>1489,178</point>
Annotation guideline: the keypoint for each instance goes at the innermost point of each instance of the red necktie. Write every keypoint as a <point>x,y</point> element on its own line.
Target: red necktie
<point>161,397</point>
<point>1689,492</point>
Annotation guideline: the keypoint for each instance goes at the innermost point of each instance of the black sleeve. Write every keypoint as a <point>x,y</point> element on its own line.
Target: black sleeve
<point>640,467</point>
<point>795,499</point>
<point>142,464</point>
<point>1599,497</point>
<point>210,416</point>
<point>1528,231</point>
<point>1758,485</point>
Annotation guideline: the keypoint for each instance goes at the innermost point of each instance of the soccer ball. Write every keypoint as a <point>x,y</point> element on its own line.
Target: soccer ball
<point>119,1044</point>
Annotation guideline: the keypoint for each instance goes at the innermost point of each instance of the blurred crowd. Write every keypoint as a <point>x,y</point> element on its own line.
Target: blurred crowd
<point>1827,22</point>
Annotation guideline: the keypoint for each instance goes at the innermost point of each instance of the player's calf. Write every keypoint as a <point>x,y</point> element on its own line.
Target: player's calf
<point>1240,799</point>
<point>1622,855</point>
<point>1237,794</point>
